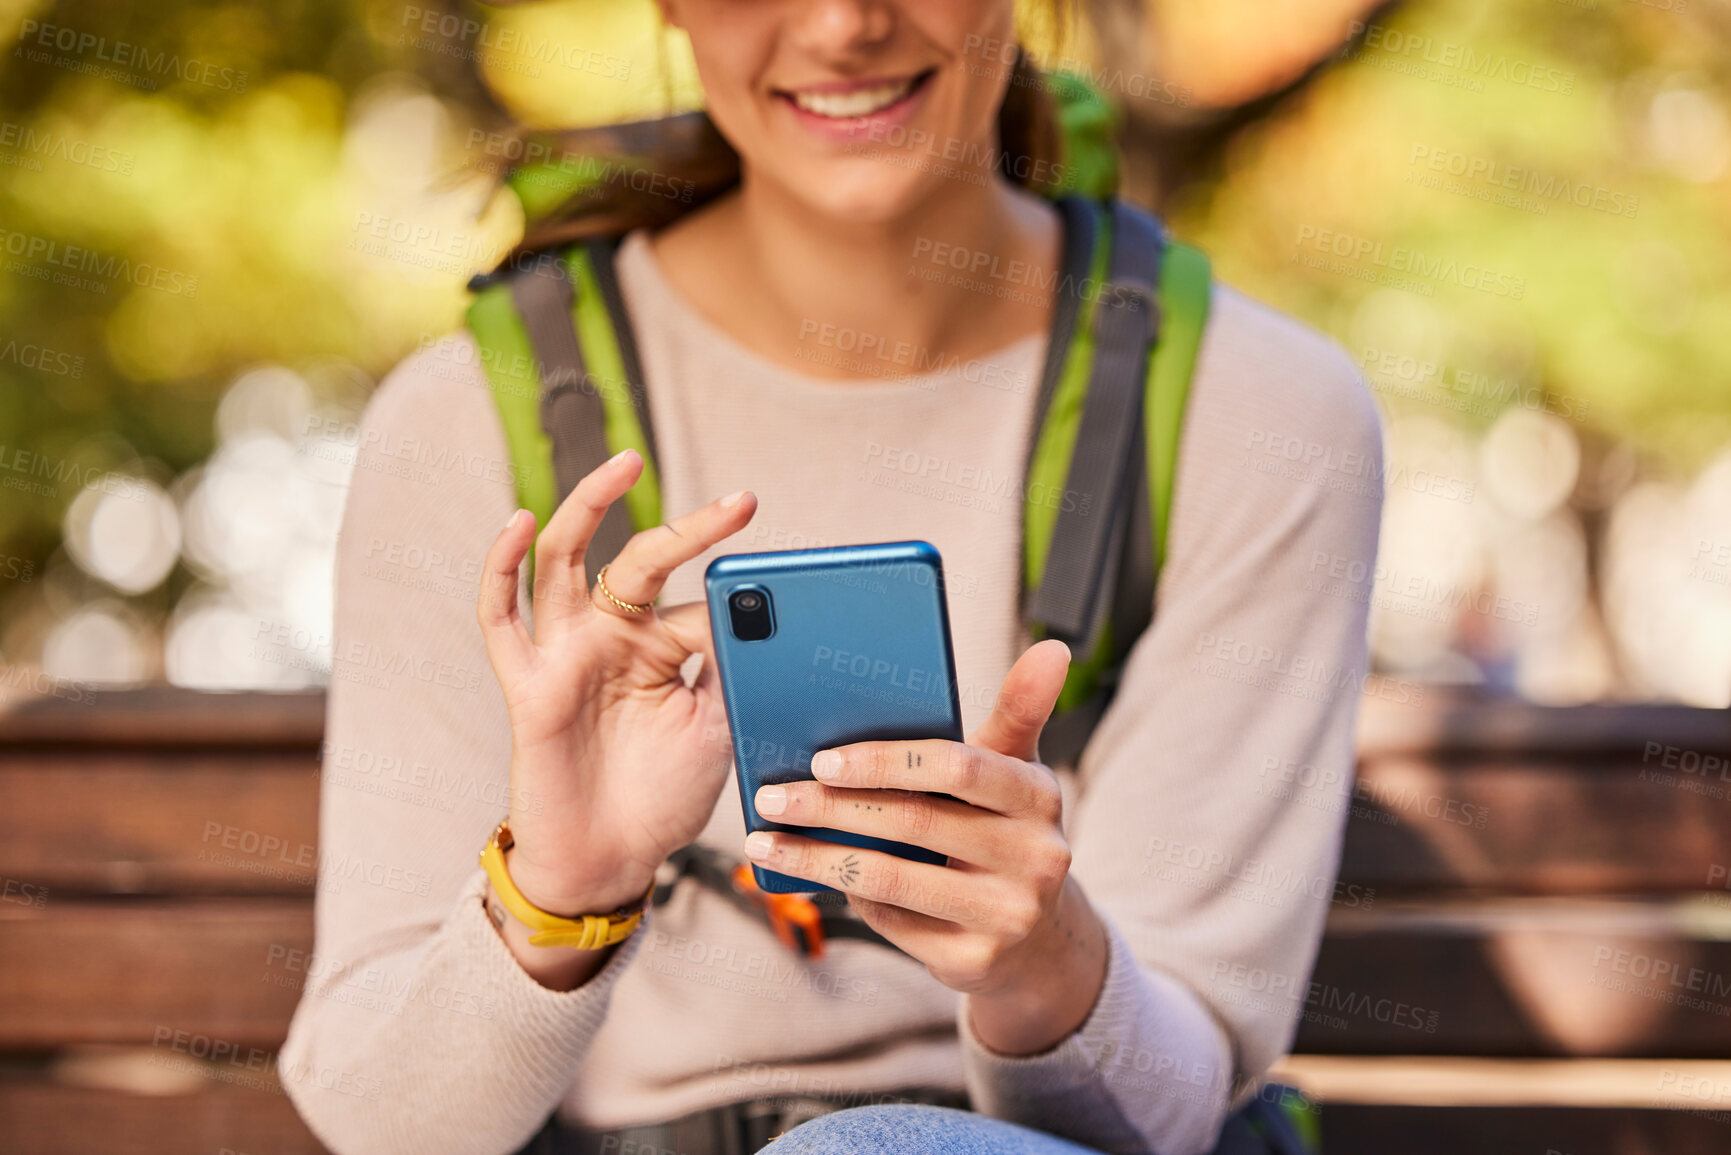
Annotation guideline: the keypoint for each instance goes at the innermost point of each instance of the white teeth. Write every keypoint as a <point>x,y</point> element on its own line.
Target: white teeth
<point>859,102</point>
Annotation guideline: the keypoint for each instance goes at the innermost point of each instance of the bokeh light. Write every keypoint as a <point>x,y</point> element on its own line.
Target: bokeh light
<point>125,531</point>
<point>261,521</point>
<point>1666,597</point>
<point>101,644</point>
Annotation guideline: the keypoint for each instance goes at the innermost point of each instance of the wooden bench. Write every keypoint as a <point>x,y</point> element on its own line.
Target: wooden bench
<point>1513,879</point>
<point>1533,869</point>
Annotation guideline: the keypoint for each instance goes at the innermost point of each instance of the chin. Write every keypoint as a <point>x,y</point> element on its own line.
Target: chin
<point>867,192</point>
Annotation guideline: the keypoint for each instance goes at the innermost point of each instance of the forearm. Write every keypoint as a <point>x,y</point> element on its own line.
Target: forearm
<point>1148,1069</point>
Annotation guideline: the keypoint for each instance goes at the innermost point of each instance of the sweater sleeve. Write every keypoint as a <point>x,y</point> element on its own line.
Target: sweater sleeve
<point>1212,877</point>
<point>416,1030</point>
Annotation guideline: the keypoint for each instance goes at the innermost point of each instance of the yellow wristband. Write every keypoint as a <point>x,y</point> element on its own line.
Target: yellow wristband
<point>590,932</point>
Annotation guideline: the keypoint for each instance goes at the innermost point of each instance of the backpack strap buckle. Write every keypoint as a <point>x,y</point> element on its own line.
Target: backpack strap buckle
<point>796,919</point>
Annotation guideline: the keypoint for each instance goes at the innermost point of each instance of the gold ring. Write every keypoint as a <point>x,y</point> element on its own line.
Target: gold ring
<point>628,607</point>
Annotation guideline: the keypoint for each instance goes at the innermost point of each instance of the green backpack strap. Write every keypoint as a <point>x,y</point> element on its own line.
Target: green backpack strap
<point>508,360</point>
<point>1186,288</point>
<point>558,354</point>
<point>1100,479</point>
<point>1087,535</point>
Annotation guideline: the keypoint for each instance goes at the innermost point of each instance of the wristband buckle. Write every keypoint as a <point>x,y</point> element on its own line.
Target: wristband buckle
<point>585,932</point>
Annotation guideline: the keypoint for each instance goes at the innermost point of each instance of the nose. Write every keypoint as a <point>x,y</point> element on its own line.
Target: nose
<point>842,27</point>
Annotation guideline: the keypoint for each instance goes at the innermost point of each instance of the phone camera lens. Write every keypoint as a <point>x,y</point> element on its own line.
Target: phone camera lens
<point>748,613</point>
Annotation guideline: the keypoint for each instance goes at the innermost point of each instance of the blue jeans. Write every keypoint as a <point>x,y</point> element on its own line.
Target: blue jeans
<point>917,1129</point>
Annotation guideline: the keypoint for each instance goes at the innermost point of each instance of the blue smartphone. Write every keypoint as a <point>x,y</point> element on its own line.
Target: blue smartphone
<point>822,647</point>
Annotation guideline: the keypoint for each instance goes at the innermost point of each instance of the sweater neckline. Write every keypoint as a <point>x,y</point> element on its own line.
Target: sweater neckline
<point>637,256</point>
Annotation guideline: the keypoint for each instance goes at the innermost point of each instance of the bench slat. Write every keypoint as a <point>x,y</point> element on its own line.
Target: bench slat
<point>1465,721</point>
<point>148,821</point>
<point>1541,977</point>
<point>1387,982</point>
<point>1351,1129</point>
<point>139,822</point>
<point>39,1116</point>
<point>100,972</point>
<point>1517,826</point>
<point>162,716</point>
<point>1455,720</point>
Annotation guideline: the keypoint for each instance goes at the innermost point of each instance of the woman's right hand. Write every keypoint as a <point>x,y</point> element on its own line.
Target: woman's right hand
<point>615,762</point>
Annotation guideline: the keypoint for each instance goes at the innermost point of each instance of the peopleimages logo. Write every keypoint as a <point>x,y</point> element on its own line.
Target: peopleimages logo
<point>983,267</point>
<point>1668,972</point>
<point>506,41</point>
<point>999,56</point>
<point>877,355</point>
<point>42,359</point>
<point>1498,176</point>
<point>1346,470</point>
<point>871,669</point>
<point>36,143</point>
<point>1389,588</point>
<point>1471,391</point>
<point>1364,251</point>
<point>1471,63</point>
<point>90,50</point>
<point>1316,999</point>
<point>956,156</point>
<point>35,472</point>
<point>1301,675</point>
<point>966,477</point>
<point>76,266</point>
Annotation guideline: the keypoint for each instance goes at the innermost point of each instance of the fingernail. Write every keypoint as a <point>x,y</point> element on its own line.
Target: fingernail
<point>758,846</point>
<point>734,499</point>
<point>515,518</point>
<point>826,764</point>
<point>772,800</point>
<point>620,456</point>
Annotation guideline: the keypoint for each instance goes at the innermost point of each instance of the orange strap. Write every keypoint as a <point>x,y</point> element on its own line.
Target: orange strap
<point>795,918</point>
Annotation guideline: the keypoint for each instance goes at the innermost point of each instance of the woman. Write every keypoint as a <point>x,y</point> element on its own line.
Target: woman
<point>1116,951</point>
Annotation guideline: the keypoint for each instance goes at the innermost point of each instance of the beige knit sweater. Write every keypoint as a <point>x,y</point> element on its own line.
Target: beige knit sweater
<point>1196,827</point>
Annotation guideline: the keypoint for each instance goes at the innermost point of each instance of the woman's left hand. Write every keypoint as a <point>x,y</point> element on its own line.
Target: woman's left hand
<point>1003,921</point>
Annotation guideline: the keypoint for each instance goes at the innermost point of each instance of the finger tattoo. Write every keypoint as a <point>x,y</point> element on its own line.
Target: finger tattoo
<point>847,870</point>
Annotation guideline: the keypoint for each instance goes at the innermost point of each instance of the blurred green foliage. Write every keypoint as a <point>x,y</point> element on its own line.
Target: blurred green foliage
<point>1592,146</point>
<point>193,192</point>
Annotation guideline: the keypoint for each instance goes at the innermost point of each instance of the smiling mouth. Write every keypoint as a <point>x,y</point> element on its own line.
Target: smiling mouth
<point>858,102</point>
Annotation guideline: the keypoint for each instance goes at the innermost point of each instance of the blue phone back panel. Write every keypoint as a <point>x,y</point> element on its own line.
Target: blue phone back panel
<point>860,650</point>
